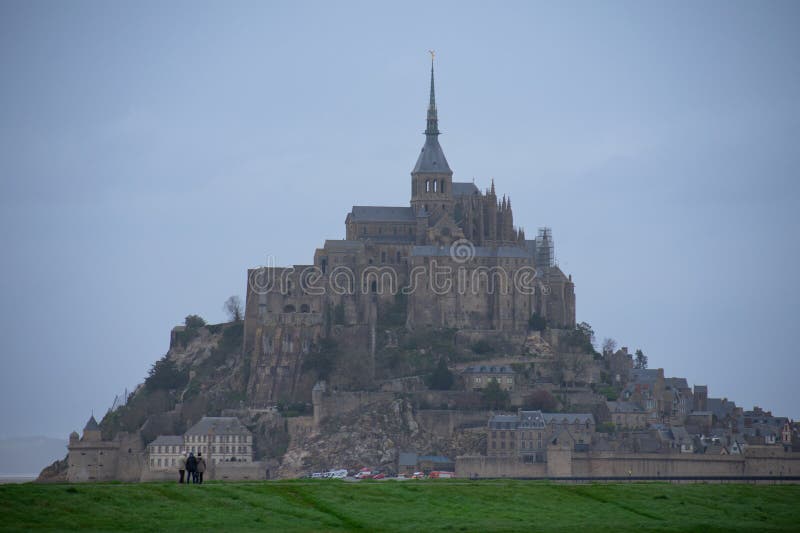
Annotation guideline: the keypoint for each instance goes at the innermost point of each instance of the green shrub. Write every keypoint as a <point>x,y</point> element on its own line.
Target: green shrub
<point>165,374</point>
<point>194,322</point>
<point>609,392</point>
<point>494,397</point>
<point>441,378</point>
<point>606,427</point>
<point>292,409</point>
<point>483,347</point>
<point>322,359</point>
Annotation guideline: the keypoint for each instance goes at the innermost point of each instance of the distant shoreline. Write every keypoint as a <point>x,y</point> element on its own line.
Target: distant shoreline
<point>17,478</point>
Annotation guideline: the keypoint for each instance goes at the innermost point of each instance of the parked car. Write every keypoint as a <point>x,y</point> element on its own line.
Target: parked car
<point>338,474</point>
<point>418,475</point>
<point>364,473</point>
<point>317,475</point>
<point>441,474</point>
<point>379,475</point>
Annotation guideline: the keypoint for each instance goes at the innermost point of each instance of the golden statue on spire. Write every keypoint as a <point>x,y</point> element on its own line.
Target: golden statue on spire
<point>433,54</point>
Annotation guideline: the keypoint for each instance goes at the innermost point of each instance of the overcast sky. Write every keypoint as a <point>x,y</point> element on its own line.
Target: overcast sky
<point>150,152</point>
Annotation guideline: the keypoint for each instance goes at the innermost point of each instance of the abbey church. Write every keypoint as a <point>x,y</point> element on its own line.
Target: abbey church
<point>451,258</point>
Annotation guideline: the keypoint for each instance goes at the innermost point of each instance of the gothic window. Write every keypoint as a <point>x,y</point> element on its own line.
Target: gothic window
<point>398,256</point>
<point>427,185</point>
<point>435,188</point>
<point>441,187</point>
<point>383,257</point>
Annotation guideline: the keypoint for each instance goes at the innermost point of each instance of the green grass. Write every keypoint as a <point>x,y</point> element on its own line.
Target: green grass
<point>447,505</point>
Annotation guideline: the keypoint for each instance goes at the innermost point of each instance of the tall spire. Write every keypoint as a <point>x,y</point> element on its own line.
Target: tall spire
<point>433,119</point>
<point>431,158</point>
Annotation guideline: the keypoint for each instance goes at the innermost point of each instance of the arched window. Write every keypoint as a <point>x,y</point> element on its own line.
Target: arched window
<point>427,185</point>
<point>398,256</point>
<point>441,187</point>
<point>288,309</point>
<point>435,185</point>
<point>305,309</point>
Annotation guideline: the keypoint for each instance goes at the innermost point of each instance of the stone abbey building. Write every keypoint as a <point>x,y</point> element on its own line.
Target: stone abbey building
<point>451,258</point>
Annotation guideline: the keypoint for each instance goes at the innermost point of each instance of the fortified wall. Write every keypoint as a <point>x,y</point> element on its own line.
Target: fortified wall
<point>758,461</point>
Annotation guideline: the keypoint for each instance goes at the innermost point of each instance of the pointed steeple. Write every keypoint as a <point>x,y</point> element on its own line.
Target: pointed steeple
<point>431,159</point>
<point>433,118</point>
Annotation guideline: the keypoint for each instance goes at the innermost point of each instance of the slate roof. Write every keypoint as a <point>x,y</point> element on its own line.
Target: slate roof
<point>480,251</point>
<point>431,159</point>
<point>676,383</point>
<point>624,407</point>
<point>464,188</point>
<point>680,434</point>
<point>648,375</point>
<point>167,440</point>
<point>572,418</point>
<point>375,213</point>
<point>531,419</point>
<point>720,406</point>
<point>91,425</point>
<point>503,421</point>
<point>220,425</point>
<point>343,246</point>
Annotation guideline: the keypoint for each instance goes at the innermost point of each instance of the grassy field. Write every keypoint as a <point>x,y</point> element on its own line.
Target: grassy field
<point>455,505</point>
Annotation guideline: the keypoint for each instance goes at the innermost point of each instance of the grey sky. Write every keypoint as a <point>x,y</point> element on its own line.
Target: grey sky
<point>150,152</point>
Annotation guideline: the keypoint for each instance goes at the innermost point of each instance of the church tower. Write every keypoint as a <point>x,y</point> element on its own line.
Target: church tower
<point>432,179</point>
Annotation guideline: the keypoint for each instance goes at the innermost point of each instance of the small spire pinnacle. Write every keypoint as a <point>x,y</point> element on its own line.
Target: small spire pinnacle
<point>433,119</point>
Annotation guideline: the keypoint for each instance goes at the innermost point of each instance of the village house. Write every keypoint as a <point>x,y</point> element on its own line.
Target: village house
<point>527,433</point>
<point>627,415</point>
<point>218,438</point>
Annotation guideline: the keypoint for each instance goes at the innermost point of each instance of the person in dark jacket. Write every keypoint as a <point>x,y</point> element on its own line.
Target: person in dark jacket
<point>201,467</point>
<point>191,468</point>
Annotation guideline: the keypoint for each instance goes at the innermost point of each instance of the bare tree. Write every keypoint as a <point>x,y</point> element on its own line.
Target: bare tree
<point>641,360</point>
<point>609,346</point>
<point>233,306</point>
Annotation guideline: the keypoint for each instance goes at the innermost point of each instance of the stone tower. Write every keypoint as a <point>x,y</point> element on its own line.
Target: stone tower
<point>432,179</point>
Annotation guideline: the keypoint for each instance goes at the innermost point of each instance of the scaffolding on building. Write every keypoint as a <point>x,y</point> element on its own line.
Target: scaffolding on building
<point>545,254</point>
